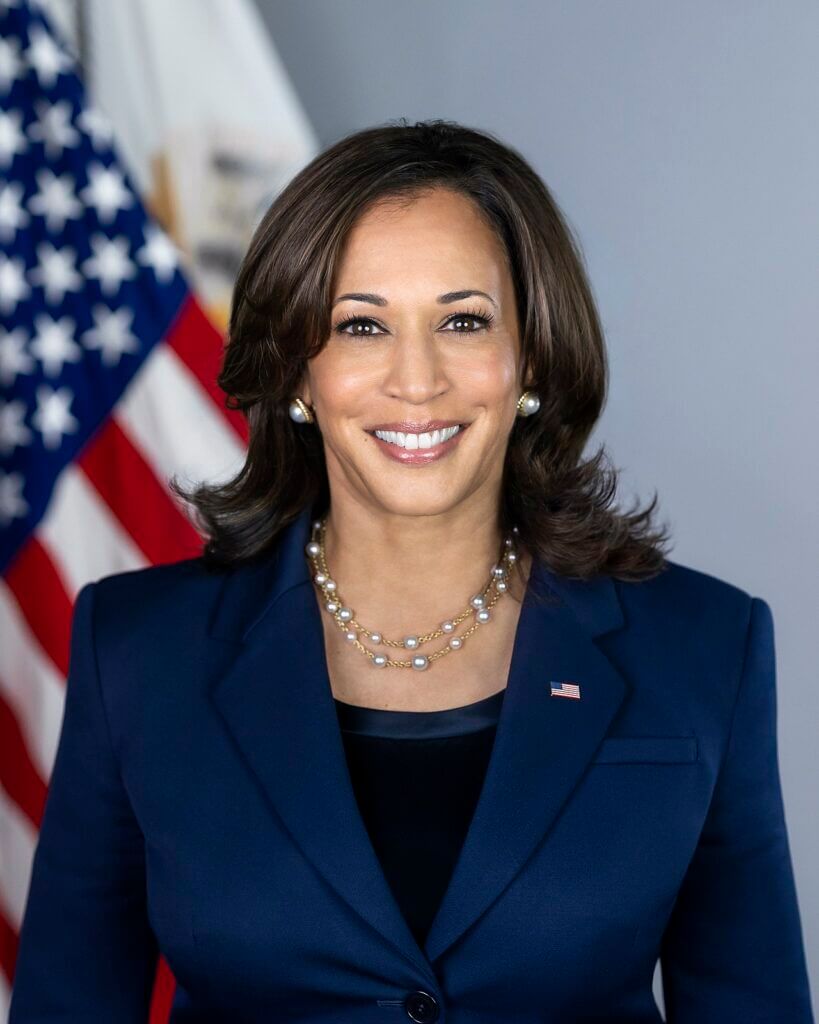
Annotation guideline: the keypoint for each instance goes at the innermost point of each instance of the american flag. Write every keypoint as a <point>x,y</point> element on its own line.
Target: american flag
<point>107,370</point>
<point>565,690</point>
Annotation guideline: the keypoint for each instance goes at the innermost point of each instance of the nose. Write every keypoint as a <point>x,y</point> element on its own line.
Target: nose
<point>416,371</point>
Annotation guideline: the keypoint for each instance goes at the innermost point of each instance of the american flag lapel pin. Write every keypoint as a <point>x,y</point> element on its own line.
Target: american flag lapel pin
<point>565,689</point>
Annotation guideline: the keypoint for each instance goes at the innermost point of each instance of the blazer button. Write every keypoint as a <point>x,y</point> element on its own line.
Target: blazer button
<point>421,1007</point>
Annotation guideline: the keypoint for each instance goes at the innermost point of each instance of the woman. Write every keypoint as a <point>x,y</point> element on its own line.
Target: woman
<point>430,731</point>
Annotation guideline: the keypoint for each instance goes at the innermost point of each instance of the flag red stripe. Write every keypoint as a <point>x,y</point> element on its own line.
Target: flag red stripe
<point>199,345</point>
<point>163,992</point>
<point>119,471</point>
<point>18,776</point>
<point>43,600</point>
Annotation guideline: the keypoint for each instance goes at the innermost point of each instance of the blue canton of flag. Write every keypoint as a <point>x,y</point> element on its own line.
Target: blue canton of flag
<point>88,285</point>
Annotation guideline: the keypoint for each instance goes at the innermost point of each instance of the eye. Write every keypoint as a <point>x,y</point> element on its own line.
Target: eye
<point>481,318</point>
<point>356,321</point>
<point>363,326</point>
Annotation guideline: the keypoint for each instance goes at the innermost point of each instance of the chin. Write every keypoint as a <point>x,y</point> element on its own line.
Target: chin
<point>415,504</point>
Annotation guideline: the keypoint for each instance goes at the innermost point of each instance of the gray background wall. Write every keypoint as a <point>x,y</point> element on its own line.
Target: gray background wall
<point>681,141</point>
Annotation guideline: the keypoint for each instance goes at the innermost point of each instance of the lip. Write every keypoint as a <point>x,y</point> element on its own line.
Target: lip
<point>420,456</point>
<point>408,427</point>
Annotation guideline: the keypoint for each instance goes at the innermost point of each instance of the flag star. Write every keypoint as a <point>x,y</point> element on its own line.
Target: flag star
<point>55,200</point>
<point>52,417</point>
<point>11,67</point>
<point>12,138</point>
<point>13,356</point>
<point>12,214</point>
<point>12,503</point>
<point>13,285</point>
<point>46,57</point>
<point>54,128</point>
<point>53,343</point>
<point>56,272</point>
<point>159,252</point>
<point>111,335</point>
<point>111,263</point>
<point>96,126</point>
<point>106,192</point>
<point>13,431</point>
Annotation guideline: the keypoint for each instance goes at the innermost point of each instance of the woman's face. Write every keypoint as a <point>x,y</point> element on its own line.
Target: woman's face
<point>403,350</point>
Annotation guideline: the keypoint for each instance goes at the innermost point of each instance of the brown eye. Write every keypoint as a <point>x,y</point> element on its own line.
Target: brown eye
<point>458,321</point>
<point>482,320</point>
<point>357,321</point>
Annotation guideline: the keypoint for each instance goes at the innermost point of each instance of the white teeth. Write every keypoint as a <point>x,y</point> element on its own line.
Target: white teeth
<point>413,441</point>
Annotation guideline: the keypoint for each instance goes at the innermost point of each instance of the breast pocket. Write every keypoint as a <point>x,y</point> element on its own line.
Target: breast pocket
<point>647,750</point>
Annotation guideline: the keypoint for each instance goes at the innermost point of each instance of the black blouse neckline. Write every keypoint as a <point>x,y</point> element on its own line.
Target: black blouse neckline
<point>420,724</point>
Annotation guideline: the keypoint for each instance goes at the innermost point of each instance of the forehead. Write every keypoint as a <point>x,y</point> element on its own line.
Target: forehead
<point>434,236</point>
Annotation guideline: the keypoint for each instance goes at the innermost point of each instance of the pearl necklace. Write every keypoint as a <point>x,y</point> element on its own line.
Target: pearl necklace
<point>343,616</point>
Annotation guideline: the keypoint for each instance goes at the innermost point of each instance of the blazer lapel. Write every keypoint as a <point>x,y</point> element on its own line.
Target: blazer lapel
<point>543,744</point>
<point>276,702</point>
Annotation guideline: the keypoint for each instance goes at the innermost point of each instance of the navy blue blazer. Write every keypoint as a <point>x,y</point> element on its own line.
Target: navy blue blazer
<point>200,806</point>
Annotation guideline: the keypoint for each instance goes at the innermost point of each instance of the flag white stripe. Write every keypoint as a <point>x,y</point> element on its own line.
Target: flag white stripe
<point>84,539</point>
<point>18,839</point>
<point>169,416</point>
<point>31,684</point>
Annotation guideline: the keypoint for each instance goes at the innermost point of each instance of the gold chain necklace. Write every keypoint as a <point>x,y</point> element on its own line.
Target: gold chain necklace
<point>479,606</point>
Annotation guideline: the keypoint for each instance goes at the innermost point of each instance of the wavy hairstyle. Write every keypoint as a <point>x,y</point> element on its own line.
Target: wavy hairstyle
<point>280,318</point>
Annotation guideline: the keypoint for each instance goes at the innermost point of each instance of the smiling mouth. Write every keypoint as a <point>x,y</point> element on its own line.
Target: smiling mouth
<point>418,442</point>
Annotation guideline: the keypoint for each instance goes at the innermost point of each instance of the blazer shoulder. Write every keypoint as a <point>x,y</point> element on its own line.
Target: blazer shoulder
<point>686,587</point>
<point>694,631</point>
<point>151,600</point>
<point>690,606</point>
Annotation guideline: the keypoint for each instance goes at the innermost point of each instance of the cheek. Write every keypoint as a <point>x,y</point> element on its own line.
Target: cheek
<point>489,380</point>
<point>345,386</point>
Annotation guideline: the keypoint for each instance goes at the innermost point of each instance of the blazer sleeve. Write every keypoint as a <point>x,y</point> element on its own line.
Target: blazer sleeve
<point>86,951</point>
<point>732,949</point>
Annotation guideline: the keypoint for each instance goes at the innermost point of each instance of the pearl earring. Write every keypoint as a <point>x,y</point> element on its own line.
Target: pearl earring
<point>528,403</point>
<point>300,412</point>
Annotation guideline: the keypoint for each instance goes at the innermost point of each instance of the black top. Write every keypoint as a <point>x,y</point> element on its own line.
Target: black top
<point>417,776</point>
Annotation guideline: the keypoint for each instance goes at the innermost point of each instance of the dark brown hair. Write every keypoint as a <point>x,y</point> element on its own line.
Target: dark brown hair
<point>280,318</point>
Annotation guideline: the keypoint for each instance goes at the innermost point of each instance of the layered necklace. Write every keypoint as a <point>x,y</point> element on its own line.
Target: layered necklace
<point>479,608</point>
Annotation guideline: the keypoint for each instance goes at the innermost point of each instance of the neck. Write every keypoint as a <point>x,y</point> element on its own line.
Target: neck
<point>409,573</point>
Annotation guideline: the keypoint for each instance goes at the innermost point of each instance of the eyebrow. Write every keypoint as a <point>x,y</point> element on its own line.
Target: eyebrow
<point>447,297</point>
